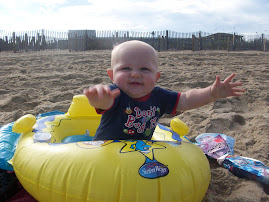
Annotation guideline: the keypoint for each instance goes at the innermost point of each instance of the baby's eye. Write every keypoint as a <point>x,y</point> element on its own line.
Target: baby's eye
<point>145,69</point>
<point>126,68</point>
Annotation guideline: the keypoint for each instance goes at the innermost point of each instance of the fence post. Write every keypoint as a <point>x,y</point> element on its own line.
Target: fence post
<point>234,41</point>
<point>38,42</point>
<point>76,42</point>
<point>69,42</point>
<point>26,42</point>
<point>159,43</point>
<point>228,44</point>
<point>33,43</point>
<point>193,39</point>
<point>14,42</point>
<point>86,40</point>
<point>262,40</point>
<point>6,43</point>
<point>43,42</point>
<point>167,43</point>
<point>200,41</point>
<point>264,45</point>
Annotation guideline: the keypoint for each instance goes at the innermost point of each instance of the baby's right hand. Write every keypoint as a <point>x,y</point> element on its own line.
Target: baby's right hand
<point>100,96</point>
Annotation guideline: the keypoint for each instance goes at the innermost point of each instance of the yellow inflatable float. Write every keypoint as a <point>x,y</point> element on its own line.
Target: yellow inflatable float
<point>53,164</point>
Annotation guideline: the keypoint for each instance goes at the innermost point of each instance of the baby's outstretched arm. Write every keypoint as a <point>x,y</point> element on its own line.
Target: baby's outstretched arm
<point>195,98</point>
<point>100,96</point>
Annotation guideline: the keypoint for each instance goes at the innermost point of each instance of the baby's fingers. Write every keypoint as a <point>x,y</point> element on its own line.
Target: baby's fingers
<point>229,78</point>
<point>232,85</point>
<point>107,91</point>
<point>102,91</point>
<point>96,91</point>
<point>115,93</point>
<point>237,91</point>
<point>89,91</point>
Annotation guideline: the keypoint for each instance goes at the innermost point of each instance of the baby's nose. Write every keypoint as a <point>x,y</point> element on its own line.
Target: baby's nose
<point>135,73</point>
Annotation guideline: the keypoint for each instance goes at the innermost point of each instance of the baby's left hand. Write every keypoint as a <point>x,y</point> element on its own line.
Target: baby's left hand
<point>226,88</point>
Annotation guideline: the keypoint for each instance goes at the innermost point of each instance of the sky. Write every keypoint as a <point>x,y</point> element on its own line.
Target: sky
<point>211,16</point>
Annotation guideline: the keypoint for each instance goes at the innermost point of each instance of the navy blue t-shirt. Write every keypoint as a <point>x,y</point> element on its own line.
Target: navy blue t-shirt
<point>129,118</point>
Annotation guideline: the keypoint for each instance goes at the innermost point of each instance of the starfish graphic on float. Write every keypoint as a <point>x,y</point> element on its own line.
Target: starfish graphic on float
<point>151,168</point>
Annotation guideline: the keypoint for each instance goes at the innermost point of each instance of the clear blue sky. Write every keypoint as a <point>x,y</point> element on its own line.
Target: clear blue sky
<point>240,16</point>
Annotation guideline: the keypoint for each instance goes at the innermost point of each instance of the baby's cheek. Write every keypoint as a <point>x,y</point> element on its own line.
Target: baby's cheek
<point>120,82</point>
<point>151,81</point>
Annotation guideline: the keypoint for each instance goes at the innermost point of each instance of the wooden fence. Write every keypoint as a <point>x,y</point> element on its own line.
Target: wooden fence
<point>33,40</point>
<point>81,40</point>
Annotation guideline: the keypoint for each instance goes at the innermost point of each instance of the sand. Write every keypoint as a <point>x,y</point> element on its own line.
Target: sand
<point>38,82</point>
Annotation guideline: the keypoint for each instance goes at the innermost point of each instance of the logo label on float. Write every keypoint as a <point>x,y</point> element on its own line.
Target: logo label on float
<point>153,170</point>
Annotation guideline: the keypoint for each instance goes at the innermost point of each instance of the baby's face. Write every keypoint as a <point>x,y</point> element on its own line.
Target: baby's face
<point>134,68</point>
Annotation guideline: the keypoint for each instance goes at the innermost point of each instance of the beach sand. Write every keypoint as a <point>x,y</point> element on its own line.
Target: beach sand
<point>38,82</point>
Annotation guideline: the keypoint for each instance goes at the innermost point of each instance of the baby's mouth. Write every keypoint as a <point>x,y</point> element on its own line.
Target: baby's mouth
<point>135,83</point>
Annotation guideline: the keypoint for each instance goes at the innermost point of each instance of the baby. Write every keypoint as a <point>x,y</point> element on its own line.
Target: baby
<point>132,106</point>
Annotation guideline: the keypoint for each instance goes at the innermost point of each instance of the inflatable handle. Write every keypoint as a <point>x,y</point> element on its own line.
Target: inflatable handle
<point>80,107</point>
<point>179,127</point>
<point>24,124</point>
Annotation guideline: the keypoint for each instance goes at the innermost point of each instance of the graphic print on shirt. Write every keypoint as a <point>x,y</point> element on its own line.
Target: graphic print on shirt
<point>140,121</point>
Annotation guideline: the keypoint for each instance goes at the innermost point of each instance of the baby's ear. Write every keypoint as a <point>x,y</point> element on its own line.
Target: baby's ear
<point>110,74</point>
<point>158,76</point>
